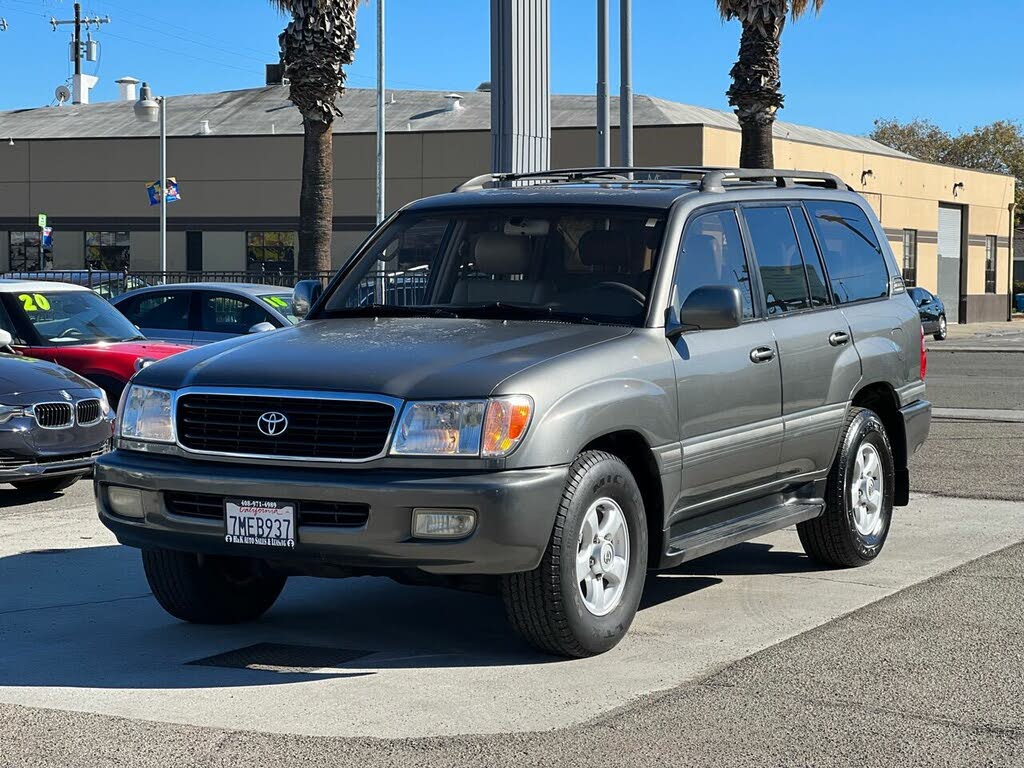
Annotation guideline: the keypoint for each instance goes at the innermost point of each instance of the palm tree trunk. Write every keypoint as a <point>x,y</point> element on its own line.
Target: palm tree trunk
<point>755,90</point>
<point>316,200</point>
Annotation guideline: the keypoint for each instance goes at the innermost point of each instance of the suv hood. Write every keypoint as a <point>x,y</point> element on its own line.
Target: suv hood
<point>409,358</point>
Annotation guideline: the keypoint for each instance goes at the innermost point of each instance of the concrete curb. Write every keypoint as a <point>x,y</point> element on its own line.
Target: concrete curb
<point>1000,415</point>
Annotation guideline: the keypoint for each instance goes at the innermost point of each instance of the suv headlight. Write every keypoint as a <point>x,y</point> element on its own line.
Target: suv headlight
<point>488,428</point>
<point>146,415</point>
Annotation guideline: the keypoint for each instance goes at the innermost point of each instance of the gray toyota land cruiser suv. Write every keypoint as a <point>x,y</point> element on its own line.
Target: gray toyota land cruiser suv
<point>545,384</point>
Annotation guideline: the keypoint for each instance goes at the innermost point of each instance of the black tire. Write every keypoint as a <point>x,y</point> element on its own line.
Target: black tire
<point>211,590</point>
<point>940,334</point>
<point>47,484</point>
<point>545,605</point>
<point>833,538</point>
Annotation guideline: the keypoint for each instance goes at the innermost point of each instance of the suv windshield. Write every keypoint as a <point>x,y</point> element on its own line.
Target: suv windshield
<point>64,318</point>
<point>566,264</point>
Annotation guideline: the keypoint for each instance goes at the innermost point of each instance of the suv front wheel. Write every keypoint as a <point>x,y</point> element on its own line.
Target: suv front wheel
<point>211,590</point>
<point>858,497</point>
<point>583,596</point>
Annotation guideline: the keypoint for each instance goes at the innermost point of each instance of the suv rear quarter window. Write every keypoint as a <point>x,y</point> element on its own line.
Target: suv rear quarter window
<point>856,266</point>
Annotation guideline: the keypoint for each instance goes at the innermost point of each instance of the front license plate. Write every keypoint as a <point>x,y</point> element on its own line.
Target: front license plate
<point>261,522</point>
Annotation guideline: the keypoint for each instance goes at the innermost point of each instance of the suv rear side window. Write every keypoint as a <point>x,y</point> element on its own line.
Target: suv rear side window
<point>856,266</point>
<point>778,259</point>
<point>712,254</point>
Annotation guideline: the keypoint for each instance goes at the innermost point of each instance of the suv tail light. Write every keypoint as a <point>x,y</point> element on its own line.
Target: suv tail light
<point>924,356</point>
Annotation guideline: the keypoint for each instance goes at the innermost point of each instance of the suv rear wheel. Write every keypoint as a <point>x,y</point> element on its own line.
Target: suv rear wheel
<point>583,596</point>
<point>858,497</point>
<point>211,590</point>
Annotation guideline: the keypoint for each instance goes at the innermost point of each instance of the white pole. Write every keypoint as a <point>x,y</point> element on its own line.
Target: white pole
<point>626,84</point>
<point>163,188</point>
<point>380,111</point>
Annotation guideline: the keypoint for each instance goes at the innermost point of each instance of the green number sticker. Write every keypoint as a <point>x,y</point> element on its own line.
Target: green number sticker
<point>34,302</point>
<point>276,301</point>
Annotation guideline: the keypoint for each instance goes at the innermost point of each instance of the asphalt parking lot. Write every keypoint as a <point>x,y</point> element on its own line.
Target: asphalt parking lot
<point>747,657</point>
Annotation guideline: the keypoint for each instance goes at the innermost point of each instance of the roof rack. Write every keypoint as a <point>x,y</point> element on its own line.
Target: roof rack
<point>711,179</point>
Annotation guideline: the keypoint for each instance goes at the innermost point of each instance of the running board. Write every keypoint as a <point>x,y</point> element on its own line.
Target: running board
<point>737,530</point>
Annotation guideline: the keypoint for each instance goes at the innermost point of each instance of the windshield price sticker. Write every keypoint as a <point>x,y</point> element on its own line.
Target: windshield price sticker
<point>276,301</point>
<point>34,302</point>
<point>259,522</point>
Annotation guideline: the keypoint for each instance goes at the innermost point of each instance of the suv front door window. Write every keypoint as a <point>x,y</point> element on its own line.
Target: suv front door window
<point>729,405</point>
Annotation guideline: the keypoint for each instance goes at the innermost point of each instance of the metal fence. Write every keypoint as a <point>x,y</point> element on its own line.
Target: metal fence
<point>111,284</point>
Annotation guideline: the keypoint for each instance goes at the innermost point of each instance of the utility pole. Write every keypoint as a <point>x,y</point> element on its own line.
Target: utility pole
<point>82,83</point>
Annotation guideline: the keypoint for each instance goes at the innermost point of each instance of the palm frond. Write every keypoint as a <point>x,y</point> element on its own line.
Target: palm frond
<point>800,7</point>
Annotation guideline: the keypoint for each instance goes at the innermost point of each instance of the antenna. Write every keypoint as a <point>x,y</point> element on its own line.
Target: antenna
<point>62,94</point>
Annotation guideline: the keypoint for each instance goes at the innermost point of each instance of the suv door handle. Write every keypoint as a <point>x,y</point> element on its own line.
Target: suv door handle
<point>839,338</point>
<point>762,354</point>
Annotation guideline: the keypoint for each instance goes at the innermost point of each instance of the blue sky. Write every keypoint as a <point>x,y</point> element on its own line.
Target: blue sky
<point>956,63</point>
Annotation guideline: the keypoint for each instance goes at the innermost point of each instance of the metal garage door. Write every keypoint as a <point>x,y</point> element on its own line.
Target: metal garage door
<point>950,248</point>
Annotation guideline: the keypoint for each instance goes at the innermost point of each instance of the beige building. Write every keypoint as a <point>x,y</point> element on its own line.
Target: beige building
<point>237,159</point>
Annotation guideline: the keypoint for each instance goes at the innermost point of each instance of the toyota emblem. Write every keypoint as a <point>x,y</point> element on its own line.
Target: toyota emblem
<point>272,423</point>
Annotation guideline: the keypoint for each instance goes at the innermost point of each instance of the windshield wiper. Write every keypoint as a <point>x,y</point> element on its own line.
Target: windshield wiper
<point>391,310</point>
<point>501,310</point>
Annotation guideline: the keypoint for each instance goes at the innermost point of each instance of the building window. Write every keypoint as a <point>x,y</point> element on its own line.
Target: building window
<point>24,251</point>
<point>270,252</point>
<point>109,251</point>
<point>990,264</point>
<point>910,257</point>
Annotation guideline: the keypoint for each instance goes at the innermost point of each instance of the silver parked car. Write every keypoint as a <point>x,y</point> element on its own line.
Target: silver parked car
<point>200,313</point>
<point>595,376</point>
<point>53,423</point>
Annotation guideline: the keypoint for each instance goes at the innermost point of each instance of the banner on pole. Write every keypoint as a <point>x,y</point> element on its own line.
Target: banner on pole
<point>173,193</point>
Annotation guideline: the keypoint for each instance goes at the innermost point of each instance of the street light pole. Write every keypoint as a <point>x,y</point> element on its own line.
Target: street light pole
<point>163,186</point>
<point>154,110</point>
<point>380,112</point>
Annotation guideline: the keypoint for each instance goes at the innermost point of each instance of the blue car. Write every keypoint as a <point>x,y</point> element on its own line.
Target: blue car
<point>201,313</point>
<point>932,312</point>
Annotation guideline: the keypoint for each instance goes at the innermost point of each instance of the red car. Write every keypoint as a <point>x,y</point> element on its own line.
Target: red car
<point>75,327</point>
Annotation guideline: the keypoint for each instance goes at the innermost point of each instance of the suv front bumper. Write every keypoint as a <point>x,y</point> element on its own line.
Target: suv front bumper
<point>515,512</point>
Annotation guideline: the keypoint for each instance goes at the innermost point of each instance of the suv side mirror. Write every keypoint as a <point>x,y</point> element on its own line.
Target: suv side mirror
<point>5,339</point>
<point>305,296</point>
<point>712,307</point>
<point>262,327</point>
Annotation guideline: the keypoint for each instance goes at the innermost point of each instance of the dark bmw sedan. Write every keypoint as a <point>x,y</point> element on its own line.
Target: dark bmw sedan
<point>932,312</point>
<point>53,423</point>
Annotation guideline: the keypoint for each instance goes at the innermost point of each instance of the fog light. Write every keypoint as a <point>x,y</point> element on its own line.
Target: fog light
<point>443,523</point>
<point>126,502</point>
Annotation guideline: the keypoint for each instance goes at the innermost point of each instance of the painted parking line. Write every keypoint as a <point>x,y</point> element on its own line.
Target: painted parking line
<point>394,661</point>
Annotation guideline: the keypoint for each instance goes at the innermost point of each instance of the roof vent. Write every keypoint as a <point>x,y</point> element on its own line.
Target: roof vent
<point>127,89</point>
<point>485,86</point>
<point>454,102</point>
<point>204,128</point>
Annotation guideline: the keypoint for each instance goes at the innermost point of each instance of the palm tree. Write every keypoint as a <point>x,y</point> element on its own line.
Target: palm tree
<point>755,90</point>
<point>318,41</point>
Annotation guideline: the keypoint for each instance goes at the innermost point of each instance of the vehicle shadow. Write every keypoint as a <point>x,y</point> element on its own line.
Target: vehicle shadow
<point>84,617</point>
<point>752,558</point>
<point>11,497</point>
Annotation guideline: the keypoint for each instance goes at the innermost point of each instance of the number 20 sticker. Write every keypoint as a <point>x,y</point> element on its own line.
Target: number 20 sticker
<point>34,302</point>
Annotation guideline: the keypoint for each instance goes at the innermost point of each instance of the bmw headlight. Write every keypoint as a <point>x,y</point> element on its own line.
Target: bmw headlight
<point>8,412</point>
<point>489,428</point>
<point>146,415</point>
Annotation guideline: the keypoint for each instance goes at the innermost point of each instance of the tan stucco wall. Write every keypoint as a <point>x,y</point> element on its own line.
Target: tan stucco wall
<point>223,250</point>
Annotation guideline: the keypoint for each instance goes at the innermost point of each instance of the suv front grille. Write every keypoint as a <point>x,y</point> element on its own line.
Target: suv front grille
<point>89,412</point>
<point>53,415</point>
<point>317,428</point>
<point>335,514</point>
